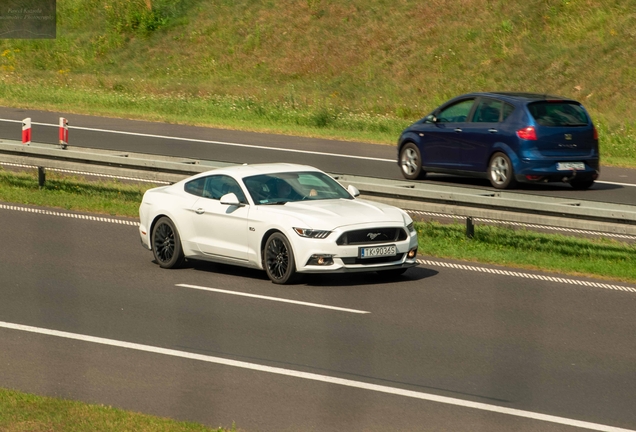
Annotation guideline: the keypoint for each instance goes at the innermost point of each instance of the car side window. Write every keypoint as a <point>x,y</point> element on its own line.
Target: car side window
<point>456,113</point>
<point>218,185</point>
<point>507,110</point>
<point>488,111</point>
<point>195,187</point>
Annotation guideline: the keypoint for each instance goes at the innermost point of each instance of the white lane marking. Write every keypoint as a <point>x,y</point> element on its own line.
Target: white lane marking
<point>231,144</point>
<point>68,215</point>
<point>278,299</point>
<point>526,275</point>
<point>318,378</point>
<point>615,183</point>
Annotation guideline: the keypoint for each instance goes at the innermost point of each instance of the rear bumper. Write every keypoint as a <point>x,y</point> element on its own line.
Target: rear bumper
<point>531,171</point>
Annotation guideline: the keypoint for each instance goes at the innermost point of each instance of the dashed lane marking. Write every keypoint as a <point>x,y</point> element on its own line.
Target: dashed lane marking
<point>526,275</point>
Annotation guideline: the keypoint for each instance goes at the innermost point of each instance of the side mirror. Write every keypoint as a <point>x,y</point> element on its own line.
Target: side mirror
<point>430,119</point>
<point>353,190</point>
<point>231,199</point>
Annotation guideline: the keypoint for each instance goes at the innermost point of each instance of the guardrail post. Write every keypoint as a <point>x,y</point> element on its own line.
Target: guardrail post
<point>26,131</point>
<point>63,133</point>
<point>470,228</point>
<point>41,177</point>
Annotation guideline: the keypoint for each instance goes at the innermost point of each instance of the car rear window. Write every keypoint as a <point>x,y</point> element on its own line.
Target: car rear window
<point>548,113</point>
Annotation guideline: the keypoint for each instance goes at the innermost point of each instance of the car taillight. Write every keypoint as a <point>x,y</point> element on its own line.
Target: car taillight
<point>595,132</point>
<point>527,133</point>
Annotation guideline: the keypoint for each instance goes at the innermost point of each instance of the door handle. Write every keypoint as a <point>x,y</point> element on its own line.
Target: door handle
<point>458,129</point>
<point>199,211</point>
<point>492,130</point>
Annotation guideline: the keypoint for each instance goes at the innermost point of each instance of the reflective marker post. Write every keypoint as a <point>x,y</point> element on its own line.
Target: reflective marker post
<point>26,131</point>
<point>63,133</point>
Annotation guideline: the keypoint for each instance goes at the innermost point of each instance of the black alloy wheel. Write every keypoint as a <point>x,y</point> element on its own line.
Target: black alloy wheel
<point>279,259</point>
<point>166,245</point>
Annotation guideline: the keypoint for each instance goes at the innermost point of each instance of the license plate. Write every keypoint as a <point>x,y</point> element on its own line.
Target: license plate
<point>566,166</point>
<point>378,251</point>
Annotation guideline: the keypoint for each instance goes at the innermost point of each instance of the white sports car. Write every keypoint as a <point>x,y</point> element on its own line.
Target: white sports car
<point>284,218</point>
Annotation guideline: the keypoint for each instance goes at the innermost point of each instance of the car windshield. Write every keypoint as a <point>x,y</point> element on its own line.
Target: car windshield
<point>558,114</point>
<point>281,188</point>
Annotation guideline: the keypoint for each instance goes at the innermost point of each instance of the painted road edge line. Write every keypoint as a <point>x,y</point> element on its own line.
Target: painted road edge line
<point>319,378</point>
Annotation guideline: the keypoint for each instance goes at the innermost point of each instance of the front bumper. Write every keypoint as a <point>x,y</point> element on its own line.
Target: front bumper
<point>346,258</point>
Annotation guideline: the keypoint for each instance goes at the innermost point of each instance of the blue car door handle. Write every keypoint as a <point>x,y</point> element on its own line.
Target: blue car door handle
<point>458,129</point>
<point>492,130</point>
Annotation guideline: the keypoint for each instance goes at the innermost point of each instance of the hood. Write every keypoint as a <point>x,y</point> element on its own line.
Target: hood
<point>331,214</point>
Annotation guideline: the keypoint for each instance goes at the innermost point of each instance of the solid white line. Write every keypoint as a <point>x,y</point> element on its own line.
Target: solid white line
<point>244,145</point>
<point>318,378</point>
<point>273,299</point>
<point>213,142</point>
<point>615,183</point>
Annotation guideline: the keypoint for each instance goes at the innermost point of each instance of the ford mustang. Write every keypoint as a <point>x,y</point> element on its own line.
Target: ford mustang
<point>286,219</point>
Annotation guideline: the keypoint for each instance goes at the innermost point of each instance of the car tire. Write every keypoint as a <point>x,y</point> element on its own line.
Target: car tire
<point>582,184</point>
<point>278,259</point>
<point>411,162</point>
<point>166,244</point>
<point>500,171</point>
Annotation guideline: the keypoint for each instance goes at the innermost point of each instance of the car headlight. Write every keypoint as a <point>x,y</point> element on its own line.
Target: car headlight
<point>411,227</point>
<point>311,233</point>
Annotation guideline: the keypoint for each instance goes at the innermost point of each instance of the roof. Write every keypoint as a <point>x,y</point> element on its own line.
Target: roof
<point>519,96</point>
<point>247,170</point>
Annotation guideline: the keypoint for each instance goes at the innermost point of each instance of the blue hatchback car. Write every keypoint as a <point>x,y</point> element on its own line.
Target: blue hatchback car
<point>505,137</point>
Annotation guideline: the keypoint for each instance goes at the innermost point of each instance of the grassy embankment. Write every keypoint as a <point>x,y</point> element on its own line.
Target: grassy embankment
<point>359,71</point>
<point>356,71</point>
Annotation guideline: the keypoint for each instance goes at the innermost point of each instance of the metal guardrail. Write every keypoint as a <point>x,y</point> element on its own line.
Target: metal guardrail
<point>418,196</point>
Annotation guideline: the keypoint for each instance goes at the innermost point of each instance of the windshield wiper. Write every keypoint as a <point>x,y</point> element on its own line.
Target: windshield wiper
<point>276,203</point>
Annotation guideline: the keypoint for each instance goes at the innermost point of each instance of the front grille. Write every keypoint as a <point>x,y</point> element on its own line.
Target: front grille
<point>370,261</point>
<point>372,236</point>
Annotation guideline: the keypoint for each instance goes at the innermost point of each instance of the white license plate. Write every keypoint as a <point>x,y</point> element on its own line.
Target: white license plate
<point>565,166</point>
<point>378,251</point>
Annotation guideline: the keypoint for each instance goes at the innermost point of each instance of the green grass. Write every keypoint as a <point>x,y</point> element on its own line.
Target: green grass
<point>22,412</point>
<point>72,193</point>
<point>603,257</point>
<point>359,70</point>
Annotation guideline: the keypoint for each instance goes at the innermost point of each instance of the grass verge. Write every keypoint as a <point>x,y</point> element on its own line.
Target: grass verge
<point>22,412</point>
<point>603,258</point>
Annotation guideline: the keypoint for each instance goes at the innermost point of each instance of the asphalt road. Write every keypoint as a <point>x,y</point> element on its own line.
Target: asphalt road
<point>442,348</point>
<point>616,185</point>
